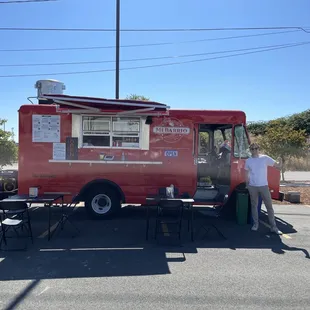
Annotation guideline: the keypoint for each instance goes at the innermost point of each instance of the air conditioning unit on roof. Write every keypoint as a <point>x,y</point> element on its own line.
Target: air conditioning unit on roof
<point>49,87</point>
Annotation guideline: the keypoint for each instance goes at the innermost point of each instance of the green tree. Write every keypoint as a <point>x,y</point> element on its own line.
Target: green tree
<point>137,97</point>
<point>298,121</point>
<point>8,148</point>
<point>282,140</point>
<point>301,121</point>
<point>257,128</point>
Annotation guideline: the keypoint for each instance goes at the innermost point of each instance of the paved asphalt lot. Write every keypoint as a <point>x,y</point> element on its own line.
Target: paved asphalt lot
<point>110,265</point>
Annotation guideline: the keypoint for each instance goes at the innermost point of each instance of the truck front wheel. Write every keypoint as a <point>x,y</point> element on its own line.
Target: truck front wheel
<point>102,203</point>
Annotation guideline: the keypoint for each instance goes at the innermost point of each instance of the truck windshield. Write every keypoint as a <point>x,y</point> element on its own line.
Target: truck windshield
<point>241,142</point>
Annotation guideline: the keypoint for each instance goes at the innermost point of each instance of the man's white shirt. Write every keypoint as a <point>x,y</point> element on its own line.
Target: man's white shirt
<point>258,168</point>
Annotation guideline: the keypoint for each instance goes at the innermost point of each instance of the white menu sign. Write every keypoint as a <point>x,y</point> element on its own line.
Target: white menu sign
<point>45,128</point>
<point>59,151</point>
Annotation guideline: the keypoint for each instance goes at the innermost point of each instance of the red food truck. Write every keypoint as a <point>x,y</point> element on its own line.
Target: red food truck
<point>113,152</point>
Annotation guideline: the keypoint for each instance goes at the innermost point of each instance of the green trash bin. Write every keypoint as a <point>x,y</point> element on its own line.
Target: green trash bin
<point>242,207</point>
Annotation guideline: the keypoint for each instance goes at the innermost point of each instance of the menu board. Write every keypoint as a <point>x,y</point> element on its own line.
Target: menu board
<point>45,128</point>
<point>72,148</point>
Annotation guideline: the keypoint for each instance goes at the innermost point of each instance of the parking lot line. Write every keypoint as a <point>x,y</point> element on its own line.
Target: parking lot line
<point>267,225</point>
<point>286,236</point>
<point>90,249</point>
<point>44,234</point>
<point>34,209</point>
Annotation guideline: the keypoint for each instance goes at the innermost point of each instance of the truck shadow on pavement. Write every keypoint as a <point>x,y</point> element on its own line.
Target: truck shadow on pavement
<point>117,247</point>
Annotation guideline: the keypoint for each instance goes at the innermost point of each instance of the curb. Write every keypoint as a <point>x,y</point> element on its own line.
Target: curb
<point>295,184</point>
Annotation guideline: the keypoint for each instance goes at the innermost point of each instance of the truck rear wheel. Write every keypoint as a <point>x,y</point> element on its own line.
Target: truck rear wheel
<point>102,202</point>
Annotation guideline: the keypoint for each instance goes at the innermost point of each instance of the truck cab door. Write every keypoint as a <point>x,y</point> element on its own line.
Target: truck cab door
<point>195,150</point>
<point>195,154</point>
<point>274,178</point>
<point>240,153</point>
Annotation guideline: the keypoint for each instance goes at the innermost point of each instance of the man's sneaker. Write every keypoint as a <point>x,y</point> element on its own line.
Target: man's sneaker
<point>255,227</point>
<point>276,231</point>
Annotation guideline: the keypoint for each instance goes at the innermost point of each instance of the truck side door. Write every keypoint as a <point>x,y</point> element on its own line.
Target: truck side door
<point>240,154</point>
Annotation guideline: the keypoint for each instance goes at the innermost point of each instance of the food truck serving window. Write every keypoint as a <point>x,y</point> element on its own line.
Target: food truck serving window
<point>102,131</point>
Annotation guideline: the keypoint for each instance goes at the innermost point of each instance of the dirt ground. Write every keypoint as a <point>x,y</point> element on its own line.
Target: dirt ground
<point>304,194</point>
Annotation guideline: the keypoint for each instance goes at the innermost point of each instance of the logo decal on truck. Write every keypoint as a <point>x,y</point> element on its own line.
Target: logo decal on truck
<point>171,129</point>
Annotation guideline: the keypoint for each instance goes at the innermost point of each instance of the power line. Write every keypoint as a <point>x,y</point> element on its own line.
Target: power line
<point>149,66</point>
<point>24,1</point>
<point>305,29</point>
<point>152,58</point>
<point>146,44</point>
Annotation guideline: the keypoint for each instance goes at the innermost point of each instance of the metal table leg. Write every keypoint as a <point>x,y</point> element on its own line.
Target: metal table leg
<point>49,221</point>
<point>147,222</point>
<point>192,222</point>
<point>62,210</point>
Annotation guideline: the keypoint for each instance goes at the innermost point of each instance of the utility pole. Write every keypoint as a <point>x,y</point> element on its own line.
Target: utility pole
<point>117,49</point>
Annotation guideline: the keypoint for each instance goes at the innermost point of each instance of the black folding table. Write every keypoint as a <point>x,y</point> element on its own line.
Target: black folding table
<point>47,199</point>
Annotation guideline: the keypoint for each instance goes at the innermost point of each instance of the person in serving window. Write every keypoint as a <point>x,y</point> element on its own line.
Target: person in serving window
<point>256,168</point>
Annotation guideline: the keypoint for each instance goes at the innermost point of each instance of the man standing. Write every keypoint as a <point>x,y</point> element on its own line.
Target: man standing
<point>257,183</point>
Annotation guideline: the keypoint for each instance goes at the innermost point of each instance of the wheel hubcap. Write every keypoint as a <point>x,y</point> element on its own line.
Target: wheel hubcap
<point>101,204</point>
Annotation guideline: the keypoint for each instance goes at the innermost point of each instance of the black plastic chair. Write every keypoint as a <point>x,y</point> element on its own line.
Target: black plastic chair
<point>186,206</point>
<point>169,212</point>
<point>5,213</point>
<point>161,194</point>
<point>15,215</point>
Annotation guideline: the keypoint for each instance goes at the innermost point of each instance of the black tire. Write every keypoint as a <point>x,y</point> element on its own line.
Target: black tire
<point>102,202</point>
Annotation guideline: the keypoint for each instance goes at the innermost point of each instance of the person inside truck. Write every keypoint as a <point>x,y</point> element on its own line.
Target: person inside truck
<point>224,163</point>
<point>256,168</point>
<point>213,153</point>
<point>225,151</point>
<point>88,143</point>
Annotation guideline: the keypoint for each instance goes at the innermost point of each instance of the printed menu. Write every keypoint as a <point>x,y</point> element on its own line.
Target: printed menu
<point>45,128</point>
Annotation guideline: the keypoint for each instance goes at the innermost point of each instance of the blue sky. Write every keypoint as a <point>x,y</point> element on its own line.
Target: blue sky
<point>264,85</point>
